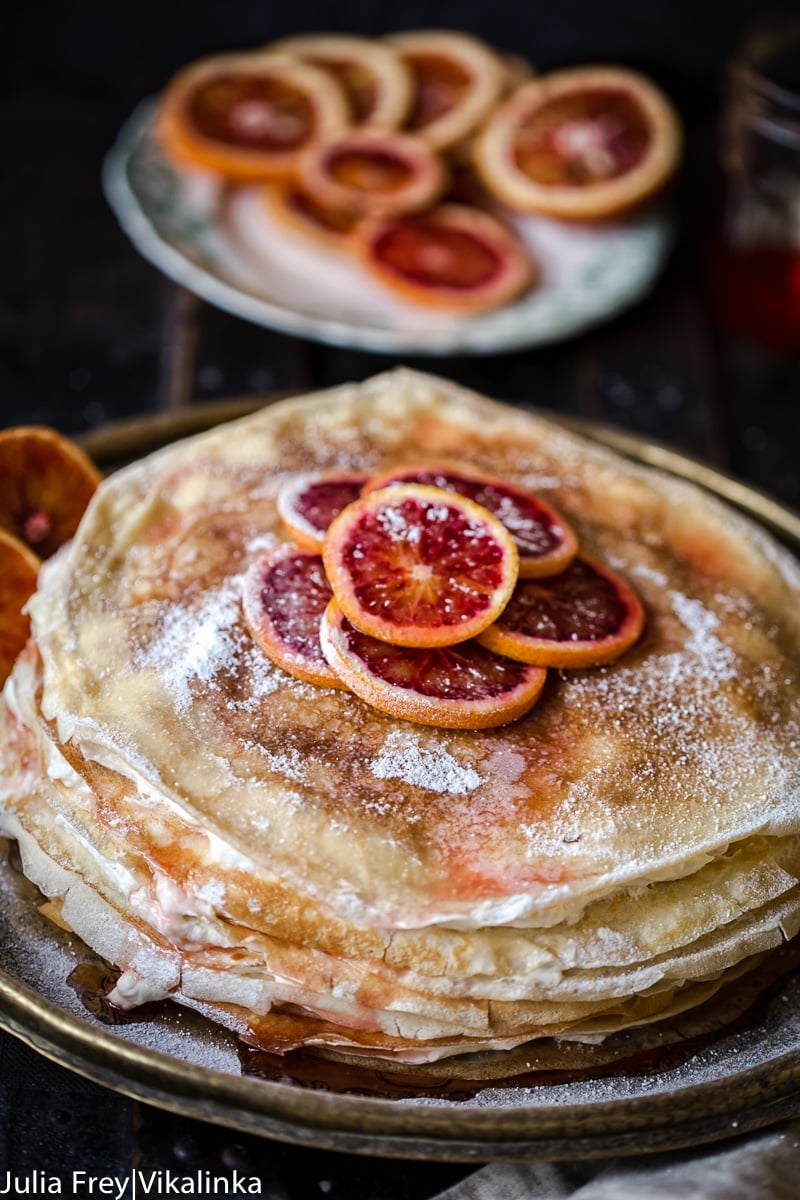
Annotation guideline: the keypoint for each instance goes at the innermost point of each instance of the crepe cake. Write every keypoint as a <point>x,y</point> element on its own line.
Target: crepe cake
<point>312,873</point>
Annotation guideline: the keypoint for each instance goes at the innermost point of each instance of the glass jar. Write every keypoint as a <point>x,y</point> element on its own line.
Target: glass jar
<point>757,268</point>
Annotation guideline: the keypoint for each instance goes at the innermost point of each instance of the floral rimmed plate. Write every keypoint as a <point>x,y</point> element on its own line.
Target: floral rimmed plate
<point>220,245</point>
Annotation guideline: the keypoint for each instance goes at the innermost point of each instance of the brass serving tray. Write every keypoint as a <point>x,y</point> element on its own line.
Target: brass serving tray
<point>745,1079</point>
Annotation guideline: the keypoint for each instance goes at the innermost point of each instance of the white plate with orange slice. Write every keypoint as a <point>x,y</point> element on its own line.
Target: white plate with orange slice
<point>222,244</point>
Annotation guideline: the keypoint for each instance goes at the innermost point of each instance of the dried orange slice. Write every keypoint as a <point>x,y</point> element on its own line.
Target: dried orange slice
<point>289,205</point>
<point>454,687</point>
<point>580,144</point>
<point>248,116</point>
<point>585,617</point>
<point>46,482</point>
<point>376,81</point>
<point>372,171</point>
<point>546,543</point>
<point>308,503</point>
<point>452,257</point>
<point>418,566</point>
<point>458,79</point>
<point>284,597</point>
<point>19,568</point>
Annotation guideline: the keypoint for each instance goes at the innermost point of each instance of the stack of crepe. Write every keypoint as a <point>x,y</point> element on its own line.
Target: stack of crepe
<point>313,873</point>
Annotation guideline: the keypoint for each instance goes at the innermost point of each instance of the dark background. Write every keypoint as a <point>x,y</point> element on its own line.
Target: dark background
<point>103,49</point>
<point>90,332</point>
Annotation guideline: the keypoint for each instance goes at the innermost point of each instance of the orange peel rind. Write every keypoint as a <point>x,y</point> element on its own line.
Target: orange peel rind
<point>284,596</point>
<point>587,616</point>
<point>451,687</point>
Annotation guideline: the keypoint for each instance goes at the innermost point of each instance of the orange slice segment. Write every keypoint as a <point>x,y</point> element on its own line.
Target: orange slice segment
<point>418,566</point>
<point>46,482</point>
<point>284,597</point>
<point>248,116</point>
<point>19,568</point>
<point>545,541</point>
<point>375,79</point>
<point>580,144</point>
<point>457,79</point>
<point>453,257</point>
<point>308,503</point>
<point>585,617</point>
<point>372,171</point>
<point>454,687</point>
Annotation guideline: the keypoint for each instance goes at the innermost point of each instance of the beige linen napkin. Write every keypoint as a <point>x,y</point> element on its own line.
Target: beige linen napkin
<point>763,1166</point>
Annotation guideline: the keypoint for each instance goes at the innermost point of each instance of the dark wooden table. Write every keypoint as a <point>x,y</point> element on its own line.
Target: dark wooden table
<point>90,333</point>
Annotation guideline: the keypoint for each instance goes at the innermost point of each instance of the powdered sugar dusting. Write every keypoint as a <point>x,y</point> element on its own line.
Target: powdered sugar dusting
<point>290,764</point>
<point>643,571</point>
<point>262,543</point>
<point>665,712</point>
<point>262,678</point>
<point>197,644</point>
<point>717,659</point>
<point>194,646</point>
<point>402,757</point>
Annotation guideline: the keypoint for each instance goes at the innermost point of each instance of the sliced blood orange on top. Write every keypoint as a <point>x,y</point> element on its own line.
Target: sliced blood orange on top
<point>418,566</point>
<point>580,144</point>
<point>372,171</point>
<point>46,482</point>
<point>454,687</point>
<point>457,81</point>
<point>545,541</point>
<point>452,257</point>
<point>308,503</point>
<point>290,205</point>
<point>248,116</point>
<point>376,81</point>
<point>19,568</point>
<point>586,616</point>
<point>284,597</point>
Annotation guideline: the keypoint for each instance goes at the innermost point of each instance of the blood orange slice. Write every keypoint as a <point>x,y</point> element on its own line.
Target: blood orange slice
<point>375,79</point>
<point>248,116</point>
<point>454,687</point>
<point>308,503</point>
<point>418,566</point>
<point>372,171</point>
<point>587,616</point>
<point>46,481</point>
<point>457,78</point>
<point>580,144</point>
<point>19,568</point>
<point>452,257</point>
<point>284,597</point>
<point>546,543</point>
